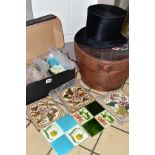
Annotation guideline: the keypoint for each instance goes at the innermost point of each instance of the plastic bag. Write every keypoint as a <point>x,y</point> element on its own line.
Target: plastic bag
<point>61,58</point>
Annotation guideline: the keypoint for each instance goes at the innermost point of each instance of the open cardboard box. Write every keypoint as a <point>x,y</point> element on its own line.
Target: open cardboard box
<point>40,34</point>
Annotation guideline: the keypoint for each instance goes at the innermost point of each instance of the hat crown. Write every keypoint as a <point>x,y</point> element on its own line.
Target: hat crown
<point>104,22</point>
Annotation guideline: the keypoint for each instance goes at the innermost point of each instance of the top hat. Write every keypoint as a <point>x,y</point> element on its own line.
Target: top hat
<point>103,27</point>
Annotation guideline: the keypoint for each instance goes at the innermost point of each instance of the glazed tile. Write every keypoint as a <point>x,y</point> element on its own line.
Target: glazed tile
<point>113,142</point>
<point>117,104</point>
<point>35,142</point>
<point>94,108</point>
<point>52,132</point>
<point>77,135</point>
<point>82,116</point>
<point>66,122</point>
<point>44,112</point>
<point>105,118</point>
<point>93,127</point>
<point>75,97</point>
<point>62,145</point>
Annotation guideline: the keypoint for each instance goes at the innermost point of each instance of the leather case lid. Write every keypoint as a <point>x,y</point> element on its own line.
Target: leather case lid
<point>42,33</point>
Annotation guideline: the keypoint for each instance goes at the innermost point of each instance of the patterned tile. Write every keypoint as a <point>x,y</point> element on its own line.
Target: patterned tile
<point>64,137</point>
<point>75,97</point>
<point>52,132</point>
<point>113,142</point>
<point>82,116</point>
<point>43,112</point>
<point>105,119</point>
<point>76,135</point>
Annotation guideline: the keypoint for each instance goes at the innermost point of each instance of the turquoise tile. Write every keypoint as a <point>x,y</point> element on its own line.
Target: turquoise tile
<point>62,145</point>
<point>66,122</point>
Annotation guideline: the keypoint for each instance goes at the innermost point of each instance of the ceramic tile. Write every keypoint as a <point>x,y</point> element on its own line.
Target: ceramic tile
<point>94,108</point>
<point>43,112</point>
<point>90,142</point>
<point>105,118</point>
<point>76,135</point>
<point>75,97</point>
<point>52,132</point>
<point>66,122</point>
<point>35,142</point>
<point>62,145</point>
<point>113,142</point>
<point>78,76</point>
<point>126,88</point>
<point>117,104</point>
<point>79,151</point>
<point>124,126</point>
<point>93,127</point>
<point>82,116</point>
<point>100,92</point>
<point>27,122</point>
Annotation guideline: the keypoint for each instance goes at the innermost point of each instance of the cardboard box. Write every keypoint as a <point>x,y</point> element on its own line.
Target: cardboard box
<point>40,34</point>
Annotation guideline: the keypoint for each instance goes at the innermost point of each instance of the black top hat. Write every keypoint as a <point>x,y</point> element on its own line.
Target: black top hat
<point>103,28</point>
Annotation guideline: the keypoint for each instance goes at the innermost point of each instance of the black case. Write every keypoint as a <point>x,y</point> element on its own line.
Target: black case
<point>39,89</point>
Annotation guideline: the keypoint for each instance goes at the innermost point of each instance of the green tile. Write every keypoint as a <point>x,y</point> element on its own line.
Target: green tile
<point>93,127</point>
<point>95,108</point>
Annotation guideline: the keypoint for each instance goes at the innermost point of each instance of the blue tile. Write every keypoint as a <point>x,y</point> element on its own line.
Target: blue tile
<point>67,122</point>
<point>62,145</point>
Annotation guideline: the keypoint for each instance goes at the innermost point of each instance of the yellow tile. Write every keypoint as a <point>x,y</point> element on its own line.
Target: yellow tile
<point>90,142</point>
<point>36,144</point>
<point>113,142</point>
<point>124,126</point>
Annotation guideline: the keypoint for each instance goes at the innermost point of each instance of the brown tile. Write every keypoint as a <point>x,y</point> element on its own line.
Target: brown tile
<point>113,142</point>
<point>124,126</point>
<point>36,144</point>
<point>90,142</point>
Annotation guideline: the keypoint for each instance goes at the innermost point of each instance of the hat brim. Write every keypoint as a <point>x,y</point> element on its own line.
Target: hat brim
<point>80,38</point>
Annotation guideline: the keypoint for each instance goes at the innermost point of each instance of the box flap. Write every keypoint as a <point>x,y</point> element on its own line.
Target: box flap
<point>42,33</point>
